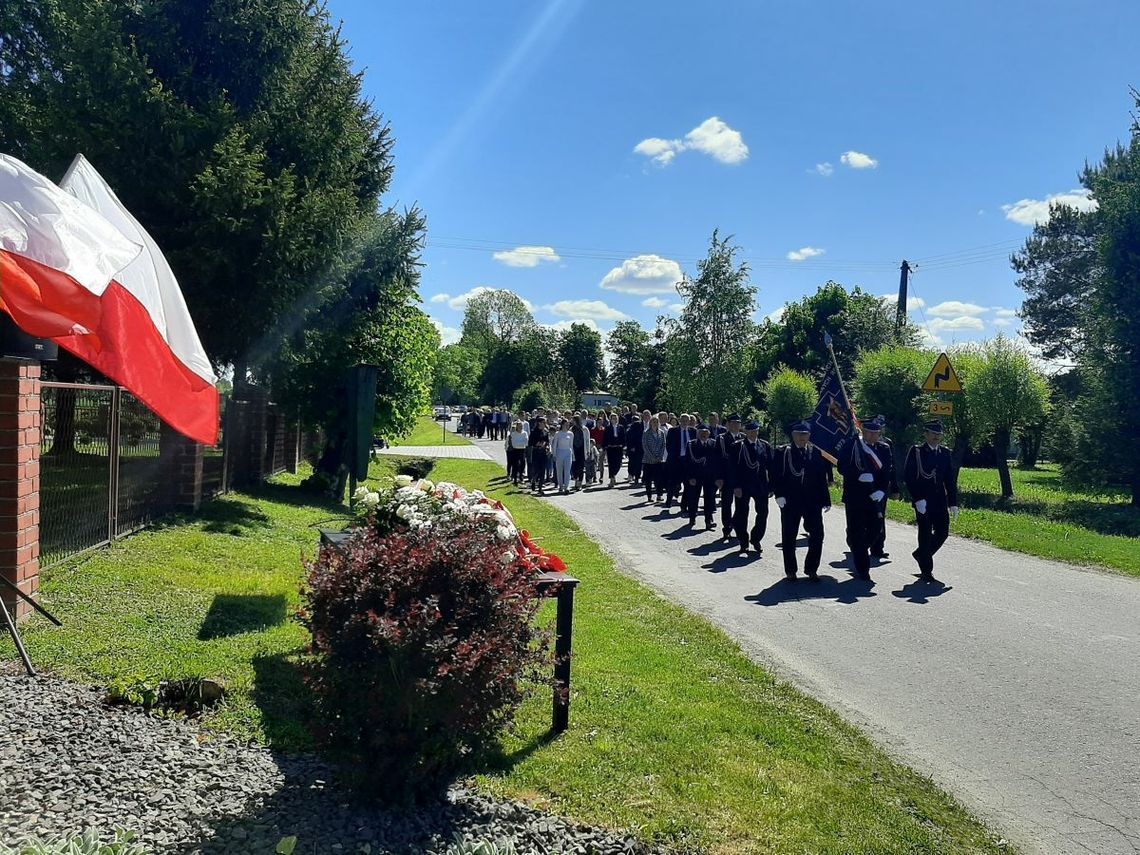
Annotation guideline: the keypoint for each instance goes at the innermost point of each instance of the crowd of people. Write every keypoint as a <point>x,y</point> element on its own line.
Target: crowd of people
<point>727,472</point>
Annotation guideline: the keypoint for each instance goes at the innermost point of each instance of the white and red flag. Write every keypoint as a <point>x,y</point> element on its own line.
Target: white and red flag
<point>76,267</point>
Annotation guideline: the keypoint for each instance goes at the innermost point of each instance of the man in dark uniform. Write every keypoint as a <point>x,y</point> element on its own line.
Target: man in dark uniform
<point>613,443</point>
<point>933,485</point>
<point>633,448</point>
<point>866,479</point>
<point>886,451</point>
<point>726,447</point>
<point>715,427</point>
<point>751,482</point>
<point>701,477</point>
<point>799,480</point>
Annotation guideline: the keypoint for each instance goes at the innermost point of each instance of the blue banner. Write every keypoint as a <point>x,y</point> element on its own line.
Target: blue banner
<point>832,421</point>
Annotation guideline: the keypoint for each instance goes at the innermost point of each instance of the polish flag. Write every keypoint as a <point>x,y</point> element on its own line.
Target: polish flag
<point>146,340</point>
<point>78,268</point>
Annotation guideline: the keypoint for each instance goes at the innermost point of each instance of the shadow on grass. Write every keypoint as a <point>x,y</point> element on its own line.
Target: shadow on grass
<point>284,699</point>
<point>233,614</point>
<point>299,496</point>
<point>224,515</point>
<point>1113,518</point>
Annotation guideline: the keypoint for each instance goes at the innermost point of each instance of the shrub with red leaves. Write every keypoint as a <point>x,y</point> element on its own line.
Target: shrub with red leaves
<point>423,648</point>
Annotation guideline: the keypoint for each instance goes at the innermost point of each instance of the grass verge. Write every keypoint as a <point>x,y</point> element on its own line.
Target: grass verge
<point>1045,518</point>
<point>675,734</point>
<point>429,432</point>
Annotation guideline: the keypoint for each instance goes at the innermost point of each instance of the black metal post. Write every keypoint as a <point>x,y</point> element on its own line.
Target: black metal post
<point>564,626</point>
<point>16,638</point>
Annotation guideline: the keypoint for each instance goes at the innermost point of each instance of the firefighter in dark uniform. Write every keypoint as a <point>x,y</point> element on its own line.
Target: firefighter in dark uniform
<point>885,449</point>
<point>726,447</point>
<point>866,480</point>
<point>751,484</point>
<point>700,480</point>
<point>933,486</point>
<point>799,481</point>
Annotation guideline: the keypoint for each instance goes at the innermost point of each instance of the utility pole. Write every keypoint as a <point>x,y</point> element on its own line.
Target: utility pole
<point>900,316</point>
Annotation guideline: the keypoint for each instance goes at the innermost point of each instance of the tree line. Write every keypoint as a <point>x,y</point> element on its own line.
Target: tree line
<point>238,134</point>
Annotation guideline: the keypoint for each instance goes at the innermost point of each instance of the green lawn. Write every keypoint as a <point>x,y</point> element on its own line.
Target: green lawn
<point>1045,518</point>
<point>428,432</point>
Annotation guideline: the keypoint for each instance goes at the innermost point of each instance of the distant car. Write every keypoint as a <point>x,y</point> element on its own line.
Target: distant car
<point>442,415</point>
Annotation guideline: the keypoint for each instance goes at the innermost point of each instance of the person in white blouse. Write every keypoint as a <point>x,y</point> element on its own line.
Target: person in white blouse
<point>563,446</point>
<point>516,441</point>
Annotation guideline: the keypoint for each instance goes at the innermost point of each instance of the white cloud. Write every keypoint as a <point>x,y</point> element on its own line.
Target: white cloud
<point>662,151</point>
<point>460,302</point>
<point>858,160</point>
<point>712,137</point>
<point>912,303</point>
<point>778,315</point>
<point>825,169</point>
<point>1004,313</point>
<point>928,339</point>
<point>676,308</point>
<point>526,256</point>
<point>1030,212</point>
<point>954,309</point>
<point>441,298</point>
<point>563,326</point>
<point>594,309</point>
<point>805,253</point>
<point>1002,322</point>
<point>653,303</point>
<point>447,335</point>
<point>643,275</point>
<point>965,322</point>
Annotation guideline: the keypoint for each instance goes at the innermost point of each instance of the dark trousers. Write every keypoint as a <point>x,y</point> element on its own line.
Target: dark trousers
<point>578,467</point>
<point>613,459</point>
<point>691,498</point>
<point>726,514</point>
<point>933,529</point>
<point>516,462</point>
<point>653,476</point>
<point>740,517</point>
<point>879,543</point>
<point>862,528</point>
<point>674,476</point>
<point>812,518</point>
<point>634,462</point>
<point>538,459</point>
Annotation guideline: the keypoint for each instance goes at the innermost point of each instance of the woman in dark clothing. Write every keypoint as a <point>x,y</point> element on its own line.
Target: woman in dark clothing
<point>539,448</point>
<point>581,443</point>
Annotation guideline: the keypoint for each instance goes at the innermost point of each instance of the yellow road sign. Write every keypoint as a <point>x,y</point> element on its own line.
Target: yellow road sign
<point>942,377</point>
<point>941,408</point>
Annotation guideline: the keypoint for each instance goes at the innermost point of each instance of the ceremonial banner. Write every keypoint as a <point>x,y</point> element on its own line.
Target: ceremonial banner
<point>832,422</point>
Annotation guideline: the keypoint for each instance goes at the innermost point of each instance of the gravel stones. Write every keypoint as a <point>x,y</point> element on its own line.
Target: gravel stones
<point>68,762</point>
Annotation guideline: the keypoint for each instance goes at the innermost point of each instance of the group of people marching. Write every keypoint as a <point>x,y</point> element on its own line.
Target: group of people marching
<point>712,469</point>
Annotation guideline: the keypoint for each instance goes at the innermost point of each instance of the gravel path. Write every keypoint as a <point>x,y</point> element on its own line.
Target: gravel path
<point>68,762</point>
<point>1015,687</point>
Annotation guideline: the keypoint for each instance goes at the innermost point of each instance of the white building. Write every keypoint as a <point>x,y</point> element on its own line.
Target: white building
<point>594,400</point>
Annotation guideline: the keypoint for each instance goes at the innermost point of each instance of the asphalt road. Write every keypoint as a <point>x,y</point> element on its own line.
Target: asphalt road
<point>1016,687</point>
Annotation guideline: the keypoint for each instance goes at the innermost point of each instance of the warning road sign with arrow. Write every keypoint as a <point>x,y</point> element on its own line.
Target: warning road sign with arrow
<point>943,377</point>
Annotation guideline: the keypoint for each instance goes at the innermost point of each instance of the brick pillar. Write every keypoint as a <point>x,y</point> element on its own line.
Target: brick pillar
<point>20,479</point>
<point>182,465</point>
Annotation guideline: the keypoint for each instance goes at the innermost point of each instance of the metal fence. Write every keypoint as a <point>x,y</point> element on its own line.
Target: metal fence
<point>100,474</point>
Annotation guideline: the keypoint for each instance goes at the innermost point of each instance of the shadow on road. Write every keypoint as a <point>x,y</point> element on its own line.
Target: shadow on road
<point>824,588</point>
<point>718,545</point>
<point>728,562</point>
<point>921,592</point>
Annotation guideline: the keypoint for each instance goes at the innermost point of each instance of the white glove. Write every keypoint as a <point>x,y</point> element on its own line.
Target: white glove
<point>867,478</point>
<point>953,512</point>
<point>878,496</point>
<point>920,506</point>
<point>780,502</point>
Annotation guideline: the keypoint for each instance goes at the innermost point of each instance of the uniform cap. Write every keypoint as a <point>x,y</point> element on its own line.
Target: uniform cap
<point>800,427</point>
<point>933,427</point>
<point>752,426</point>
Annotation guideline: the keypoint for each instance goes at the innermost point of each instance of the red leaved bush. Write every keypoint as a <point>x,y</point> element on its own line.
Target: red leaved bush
<point>423,647</point>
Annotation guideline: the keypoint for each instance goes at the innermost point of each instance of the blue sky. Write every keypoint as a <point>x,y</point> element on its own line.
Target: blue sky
<point>833,139</point>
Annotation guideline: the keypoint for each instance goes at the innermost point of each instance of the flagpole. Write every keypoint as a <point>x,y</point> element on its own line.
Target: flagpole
<point>839,376</point>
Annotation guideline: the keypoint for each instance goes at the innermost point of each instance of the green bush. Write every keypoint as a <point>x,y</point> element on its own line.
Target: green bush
<point>791,396</point>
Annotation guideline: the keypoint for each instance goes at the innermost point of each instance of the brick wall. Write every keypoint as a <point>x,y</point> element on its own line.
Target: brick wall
<point>20,431</point>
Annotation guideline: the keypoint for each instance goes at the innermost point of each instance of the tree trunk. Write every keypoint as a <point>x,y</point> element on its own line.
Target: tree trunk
<point>1001,449</point>
<point>959,451</point>
<point>1029,447</point>
<point>63,439</point>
